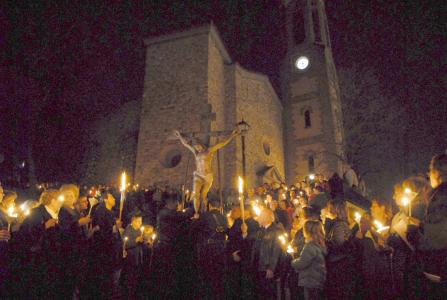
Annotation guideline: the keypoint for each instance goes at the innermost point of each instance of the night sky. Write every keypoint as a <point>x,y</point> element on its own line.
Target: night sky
<point>66,63</point>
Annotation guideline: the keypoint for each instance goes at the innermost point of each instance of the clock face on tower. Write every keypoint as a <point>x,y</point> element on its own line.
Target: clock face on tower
<point>302,62</point>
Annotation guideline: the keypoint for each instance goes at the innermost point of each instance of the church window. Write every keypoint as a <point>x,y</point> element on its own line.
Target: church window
<point>299,30</point>
<point>171,159</point>
<point>307,120</point>
<point>311,163</point>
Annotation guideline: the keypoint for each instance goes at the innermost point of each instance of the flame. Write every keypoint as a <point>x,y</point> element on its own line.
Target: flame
<point>357,216</point>
<point>257,210</point>
<point>282,239</point>
<point>405,201</point>
<point>290,249</point>
<point>241,185</point>
<point>123,182</point>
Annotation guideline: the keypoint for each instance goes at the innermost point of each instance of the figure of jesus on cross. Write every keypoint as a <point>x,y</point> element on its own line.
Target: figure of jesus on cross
<point>203,175</point>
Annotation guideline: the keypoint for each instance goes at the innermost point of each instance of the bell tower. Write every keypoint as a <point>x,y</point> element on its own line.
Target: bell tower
<point>312,107</point>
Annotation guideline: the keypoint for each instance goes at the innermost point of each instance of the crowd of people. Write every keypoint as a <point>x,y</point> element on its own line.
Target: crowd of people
<point>285,242</point>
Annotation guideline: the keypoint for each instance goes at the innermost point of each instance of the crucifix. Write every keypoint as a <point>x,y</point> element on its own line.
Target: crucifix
<point>203,154</point>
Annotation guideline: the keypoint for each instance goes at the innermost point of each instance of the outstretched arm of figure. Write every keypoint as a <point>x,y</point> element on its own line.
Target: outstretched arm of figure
<point>183,141</point>
<point>216,147</point>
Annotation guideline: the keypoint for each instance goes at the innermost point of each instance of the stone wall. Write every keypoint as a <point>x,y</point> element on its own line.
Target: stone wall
<point>175,97</point>
<point>258,104</point>
<point>112,145</point>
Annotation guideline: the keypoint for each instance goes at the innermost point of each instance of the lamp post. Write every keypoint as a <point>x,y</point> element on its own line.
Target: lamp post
<point>244,127</point>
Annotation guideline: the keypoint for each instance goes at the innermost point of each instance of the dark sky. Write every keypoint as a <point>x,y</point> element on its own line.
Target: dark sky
<point>64,63</point>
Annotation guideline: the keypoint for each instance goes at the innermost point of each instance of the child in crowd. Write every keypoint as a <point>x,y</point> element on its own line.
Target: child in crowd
<point>311,265</point>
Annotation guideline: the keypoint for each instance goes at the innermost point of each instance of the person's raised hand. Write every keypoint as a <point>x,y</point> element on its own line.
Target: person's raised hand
<point>414,221</point>
<point>84,220</point>
<point>119,224</point>
<point>236,256</point>
<point>50,223</point>
<point>236,131</point>
<point>269,274</point>
<point>5,235</point>
<point>177,134</point>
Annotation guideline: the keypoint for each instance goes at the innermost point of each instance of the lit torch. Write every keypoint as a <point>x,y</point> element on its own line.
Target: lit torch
<point>406,200</point>
<point>123,193</point>
<point>380,226</point>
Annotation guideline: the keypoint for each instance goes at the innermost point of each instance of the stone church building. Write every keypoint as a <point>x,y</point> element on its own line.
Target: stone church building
<point>193,85</point>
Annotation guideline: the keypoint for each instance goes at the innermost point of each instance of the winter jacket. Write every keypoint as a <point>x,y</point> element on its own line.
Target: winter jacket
<point>311,266</point>
<point>431,240</point>
<point>266,249</point>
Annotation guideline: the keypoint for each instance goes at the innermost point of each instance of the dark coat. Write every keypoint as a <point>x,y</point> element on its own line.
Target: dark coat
<point>42,250</point>
<point>237,242</point>
<point>3,250</point>
<point>133,248</point>
<point>282,217</point>
<point>72,235</point>
<point>266,249</point>
<point>170,225</point>
<point>106,244</point>
<point>431,239</point>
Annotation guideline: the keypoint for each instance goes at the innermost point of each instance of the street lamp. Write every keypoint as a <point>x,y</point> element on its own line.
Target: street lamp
<point>243,127</point>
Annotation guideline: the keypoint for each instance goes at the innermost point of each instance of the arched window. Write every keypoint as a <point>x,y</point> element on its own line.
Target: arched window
<point>311,163</point>
<point>307,120</point>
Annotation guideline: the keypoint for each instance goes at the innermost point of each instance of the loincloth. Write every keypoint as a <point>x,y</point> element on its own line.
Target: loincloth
<point>207,178</point>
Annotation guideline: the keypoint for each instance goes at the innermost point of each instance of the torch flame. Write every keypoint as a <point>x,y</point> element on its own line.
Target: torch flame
<point>357,216</point>
<point>257,210</point>
<point>405,201</point>
<point>241,185</point>
<point>290,249</point>
<point>123,182</point>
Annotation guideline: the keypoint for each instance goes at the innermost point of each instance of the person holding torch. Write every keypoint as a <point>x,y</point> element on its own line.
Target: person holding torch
<point>133,259</point>
<point>106,245</point>
<point>430,233</point>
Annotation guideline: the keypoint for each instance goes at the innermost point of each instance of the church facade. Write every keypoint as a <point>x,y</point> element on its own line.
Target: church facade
<point>192,85</point>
